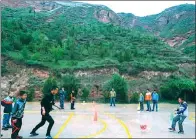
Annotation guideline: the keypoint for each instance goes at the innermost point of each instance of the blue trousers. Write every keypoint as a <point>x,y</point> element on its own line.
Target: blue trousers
<point>6,119</point>
<point>148,105</point>
<point>112,101</point>
<point>62,100</point>
<point>180,120</point>
<point>155,104</point>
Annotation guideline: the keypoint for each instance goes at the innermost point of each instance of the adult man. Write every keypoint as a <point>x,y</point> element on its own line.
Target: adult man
<point>141,102</point>
<point>155,99</point>
<point>46,107</point>
<point>148,99</point>
<point>182,113</point>
<point>112,97</point>
<point>62,94</point>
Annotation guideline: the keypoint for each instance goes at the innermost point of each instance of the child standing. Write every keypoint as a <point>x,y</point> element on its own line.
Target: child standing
<point>7,103</point>
<point>17,115</point>
<point>141,101</point>
<point>72,99</point>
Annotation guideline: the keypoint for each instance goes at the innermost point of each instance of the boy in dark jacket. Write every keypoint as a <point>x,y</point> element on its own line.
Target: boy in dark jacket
<point>17,115</point>
<point>7,103</point>
<point>46,107</point>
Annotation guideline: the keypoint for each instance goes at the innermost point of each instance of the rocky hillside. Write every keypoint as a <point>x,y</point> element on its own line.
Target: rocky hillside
<point>40,39</point>
<point>175,26</point>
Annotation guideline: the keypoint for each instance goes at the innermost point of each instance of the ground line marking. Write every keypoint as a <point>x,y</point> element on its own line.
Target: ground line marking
<point>98,132</point>
<point>192,117</point>
<point>64,125</point>
<point>122,124</point>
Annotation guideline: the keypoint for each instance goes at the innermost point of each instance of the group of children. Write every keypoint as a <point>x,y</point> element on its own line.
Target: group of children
<point>16,112</point>
<point>154,97</point>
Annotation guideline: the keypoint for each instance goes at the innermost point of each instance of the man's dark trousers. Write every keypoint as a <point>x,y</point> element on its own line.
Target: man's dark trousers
<point>45,118</point>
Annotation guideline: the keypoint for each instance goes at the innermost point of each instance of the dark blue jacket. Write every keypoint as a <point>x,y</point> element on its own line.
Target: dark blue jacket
<point>183,109</point>
<point>7,104</point>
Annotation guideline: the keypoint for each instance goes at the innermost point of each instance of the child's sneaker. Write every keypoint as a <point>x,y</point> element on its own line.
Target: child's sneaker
<point>172,129</point>
<point>181,132</point>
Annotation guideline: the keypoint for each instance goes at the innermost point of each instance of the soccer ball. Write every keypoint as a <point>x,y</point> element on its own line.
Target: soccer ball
<point>143,127</point>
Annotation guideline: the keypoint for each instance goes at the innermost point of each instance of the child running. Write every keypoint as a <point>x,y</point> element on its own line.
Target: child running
<point>46,107</point>
<point>17,115</point>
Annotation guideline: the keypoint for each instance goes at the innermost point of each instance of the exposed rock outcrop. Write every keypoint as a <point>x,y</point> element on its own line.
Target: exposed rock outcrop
<point>150,74</point>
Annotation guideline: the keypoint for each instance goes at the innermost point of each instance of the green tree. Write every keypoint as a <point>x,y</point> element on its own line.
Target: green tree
<point>30,94</point>
<point>71,48</point>
<point>57,53</point>
<point>178,87</point>
<point>120,86</point>
<point>48,84</point>
<point>85,93</point>
<point>25,53</point>
<point>70,82</point>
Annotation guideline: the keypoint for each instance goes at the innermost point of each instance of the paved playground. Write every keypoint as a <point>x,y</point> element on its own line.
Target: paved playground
<point>122,121</point>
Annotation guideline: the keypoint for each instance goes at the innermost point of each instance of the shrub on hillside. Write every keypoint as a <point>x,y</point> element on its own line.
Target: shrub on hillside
<point>49,83</point>
<point>30,94</point>
<point>70,82</point>
<point>120,86</point>
<point>85,93</point>
<point>178,87</point>
<point>134,97</point>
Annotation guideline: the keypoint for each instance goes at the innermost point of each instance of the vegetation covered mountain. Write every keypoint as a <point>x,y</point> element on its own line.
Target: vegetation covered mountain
<point>175,26</point>
<point>65,37</point>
